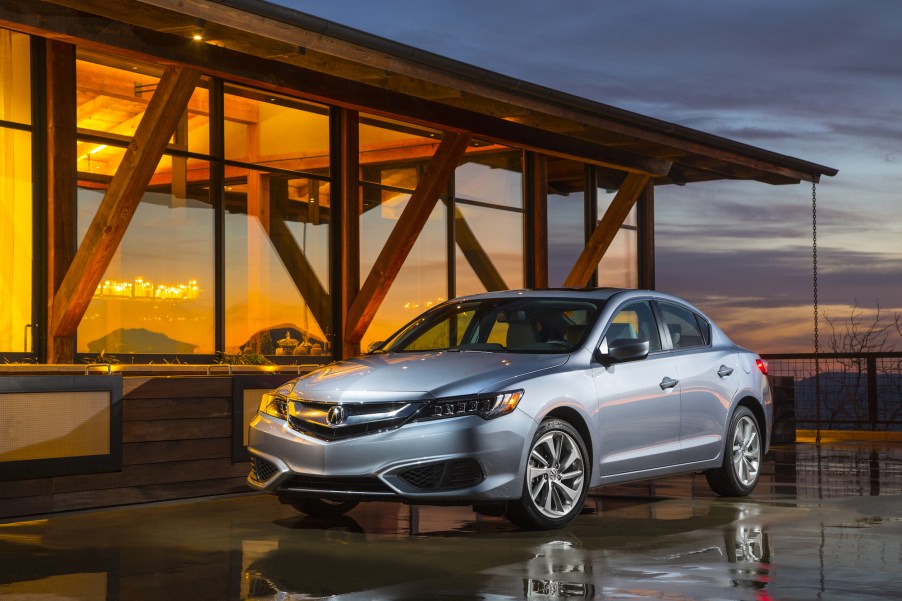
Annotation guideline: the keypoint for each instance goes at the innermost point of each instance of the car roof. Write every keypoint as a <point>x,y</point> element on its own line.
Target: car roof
<point>563,293</point>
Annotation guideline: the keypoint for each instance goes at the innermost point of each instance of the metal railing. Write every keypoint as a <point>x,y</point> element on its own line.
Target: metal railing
<point>858,391</point>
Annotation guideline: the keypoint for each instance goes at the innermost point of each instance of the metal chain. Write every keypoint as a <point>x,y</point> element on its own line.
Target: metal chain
<point>817,341</point>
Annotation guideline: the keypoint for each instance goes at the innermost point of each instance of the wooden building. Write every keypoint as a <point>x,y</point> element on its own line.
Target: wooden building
<point>181,178</point>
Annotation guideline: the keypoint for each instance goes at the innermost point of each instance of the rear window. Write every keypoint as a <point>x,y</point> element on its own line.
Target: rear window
<point>683,327</point>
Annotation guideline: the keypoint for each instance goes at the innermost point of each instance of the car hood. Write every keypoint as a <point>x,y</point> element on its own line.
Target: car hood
<point>418,375</point>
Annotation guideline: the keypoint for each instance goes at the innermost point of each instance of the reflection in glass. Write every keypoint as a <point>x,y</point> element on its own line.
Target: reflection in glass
<point>495,178</point>
<point>15,77</point>
<point>500,235</point>
<point>566,217</point>
<point>422,281</point>
<point>157,293</point>
<point>277,264</point>
<point>112,94</point>
<point>393,153</point>
<point>15,238</point>
<point>276,131</point>
<point>620,265</point>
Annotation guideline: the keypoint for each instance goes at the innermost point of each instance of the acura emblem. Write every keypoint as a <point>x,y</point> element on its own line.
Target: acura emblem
<point>336,415</point>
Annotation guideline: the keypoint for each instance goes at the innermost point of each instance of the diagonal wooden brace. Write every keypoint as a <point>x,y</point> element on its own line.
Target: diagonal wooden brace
<point>128,185</point>
<point>606,230</point>
<point>402,238</point>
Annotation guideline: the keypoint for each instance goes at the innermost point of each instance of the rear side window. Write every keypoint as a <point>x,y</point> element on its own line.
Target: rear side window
<point>683,327</point>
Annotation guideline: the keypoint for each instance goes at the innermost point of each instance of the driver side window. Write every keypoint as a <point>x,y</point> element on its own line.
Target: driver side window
<point>634,321</point>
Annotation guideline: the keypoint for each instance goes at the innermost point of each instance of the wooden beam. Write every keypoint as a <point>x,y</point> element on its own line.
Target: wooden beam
<point>538,221</point>
<point>476,256</point>
<point>349,223</point>
<point>402,238</point>
<point>646,242</point>
<point>607,228</point>
<point>121,200</point>
<point>61,192</point>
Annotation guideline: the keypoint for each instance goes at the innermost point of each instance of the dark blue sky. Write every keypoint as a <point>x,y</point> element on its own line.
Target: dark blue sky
<point>818,79</point>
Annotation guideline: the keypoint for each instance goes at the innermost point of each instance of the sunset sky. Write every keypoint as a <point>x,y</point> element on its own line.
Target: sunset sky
<point>818,80</point>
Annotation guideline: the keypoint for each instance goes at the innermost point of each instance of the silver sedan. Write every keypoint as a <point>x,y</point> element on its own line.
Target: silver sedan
<point>518,402</point>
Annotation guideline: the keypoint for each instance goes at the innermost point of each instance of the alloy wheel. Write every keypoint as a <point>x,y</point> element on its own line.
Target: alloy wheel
<point>746,451</point>
<point>555,474</point>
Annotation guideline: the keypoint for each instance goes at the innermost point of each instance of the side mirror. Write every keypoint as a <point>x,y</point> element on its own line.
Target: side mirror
<point>628,349</point>
<point>371,348</point>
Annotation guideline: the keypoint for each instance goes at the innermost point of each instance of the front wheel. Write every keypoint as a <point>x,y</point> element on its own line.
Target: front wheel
<point>323,508</point>
<point>738,475</point>
<point>556,479</point>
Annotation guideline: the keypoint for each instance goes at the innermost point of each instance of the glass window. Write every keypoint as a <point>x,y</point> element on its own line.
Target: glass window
<point>495,246</point>
<point>682,326</point>
<point>566,217</point>
<point>393,153</point>
<point>634,321</point>
<point>517,324</point>
<point>156,296</point>
<point>112,94</point>
<point>393,156</point>
<point>619,267</point>
<point>15,194</point>
<point>422,281</point>
<point>277,264</point>
<point>494,178</point>
<point>15,77</point>
<point>15,240</point>
<point>275,131</point>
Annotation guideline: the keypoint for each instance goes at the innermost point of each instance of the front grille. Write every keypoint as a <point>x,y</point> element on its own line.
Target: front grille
<point>311,418</point>
<point>345,484</point>
<point>424,477</point>
<point>462,473</point>
<point>262,470</point>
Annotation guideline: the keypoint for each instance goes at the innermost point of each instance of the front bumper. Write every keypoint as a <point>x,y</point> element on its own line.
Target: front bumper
<point>289,463</point>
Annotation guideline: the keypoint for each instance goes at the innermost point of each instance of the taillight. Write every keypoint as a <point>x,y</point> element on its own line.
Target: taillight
<point>762,365</point>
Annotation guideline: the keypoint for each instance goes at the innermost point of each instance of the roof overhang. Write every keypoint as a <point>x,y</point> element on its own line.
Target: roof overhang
<point>381,76</point>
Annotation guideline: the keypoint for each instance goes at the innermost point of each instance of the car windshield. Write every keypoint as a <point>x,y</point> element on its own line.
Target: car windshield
<point>504,325</point>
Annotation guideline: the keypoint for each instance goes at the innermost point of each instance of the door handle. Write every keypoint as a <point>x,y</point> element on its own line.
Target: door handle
<point>724,371</point>
<point>668,383</point>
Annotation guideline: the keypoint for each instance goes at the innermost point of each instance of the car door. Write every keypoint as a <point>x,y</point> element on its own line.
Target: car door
<point>639,401</point>
<point>709,378</point>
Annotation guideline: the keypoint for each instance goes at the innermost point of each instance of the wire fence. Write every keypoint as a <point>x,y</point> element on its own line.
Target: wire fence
<point>857,391</point>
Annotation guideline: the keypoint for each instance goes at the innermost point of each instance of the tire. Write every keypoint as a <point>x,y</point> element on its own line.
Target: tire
<point>556,478</point>
<point>741,468</point>
<point>323,508</point>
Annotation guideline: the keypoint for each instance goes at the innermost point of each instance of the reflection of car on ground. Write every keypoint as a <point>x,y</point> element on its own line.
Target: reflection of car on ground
<point>520,401</point>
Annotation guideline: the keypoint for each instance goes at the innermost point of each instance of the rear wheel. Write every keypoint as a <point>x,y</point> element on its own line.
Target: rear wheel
<point>556,478</point>
<point>738,475</point>
<point>323,507</point>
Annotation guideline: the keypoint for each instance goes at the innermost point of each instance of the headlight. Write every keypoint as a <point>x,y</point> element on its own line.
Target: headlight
<point>485,406</point>
<point>274,405</point>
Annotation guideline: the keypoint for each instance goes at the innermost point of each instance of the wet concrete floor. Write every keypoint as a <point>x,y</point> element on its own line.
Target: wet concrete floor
<point>825,523</point>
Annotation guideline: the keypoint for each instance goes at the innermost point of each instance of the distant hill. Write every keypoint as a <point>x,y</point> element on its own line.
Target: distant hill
<point>139,340</point>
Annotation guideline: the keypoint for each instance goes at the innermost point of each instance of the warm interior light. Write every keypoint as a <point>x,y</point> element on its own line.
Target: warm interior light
<point>198,37</point>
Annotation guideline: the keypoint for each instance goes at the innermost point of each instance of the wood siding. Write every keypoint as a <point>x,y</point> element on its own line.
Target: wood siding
<point>176,444</point>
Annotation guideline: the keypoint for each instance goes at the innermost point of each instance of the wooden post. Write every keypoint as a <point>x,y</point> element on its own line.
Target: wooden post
<point>121,200</point>
<point>405,233</point>
<point>348,226</point>
<point>538,226</point>
<point>61,183</point>
<point>646,242</point>
<point>607,228</point>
